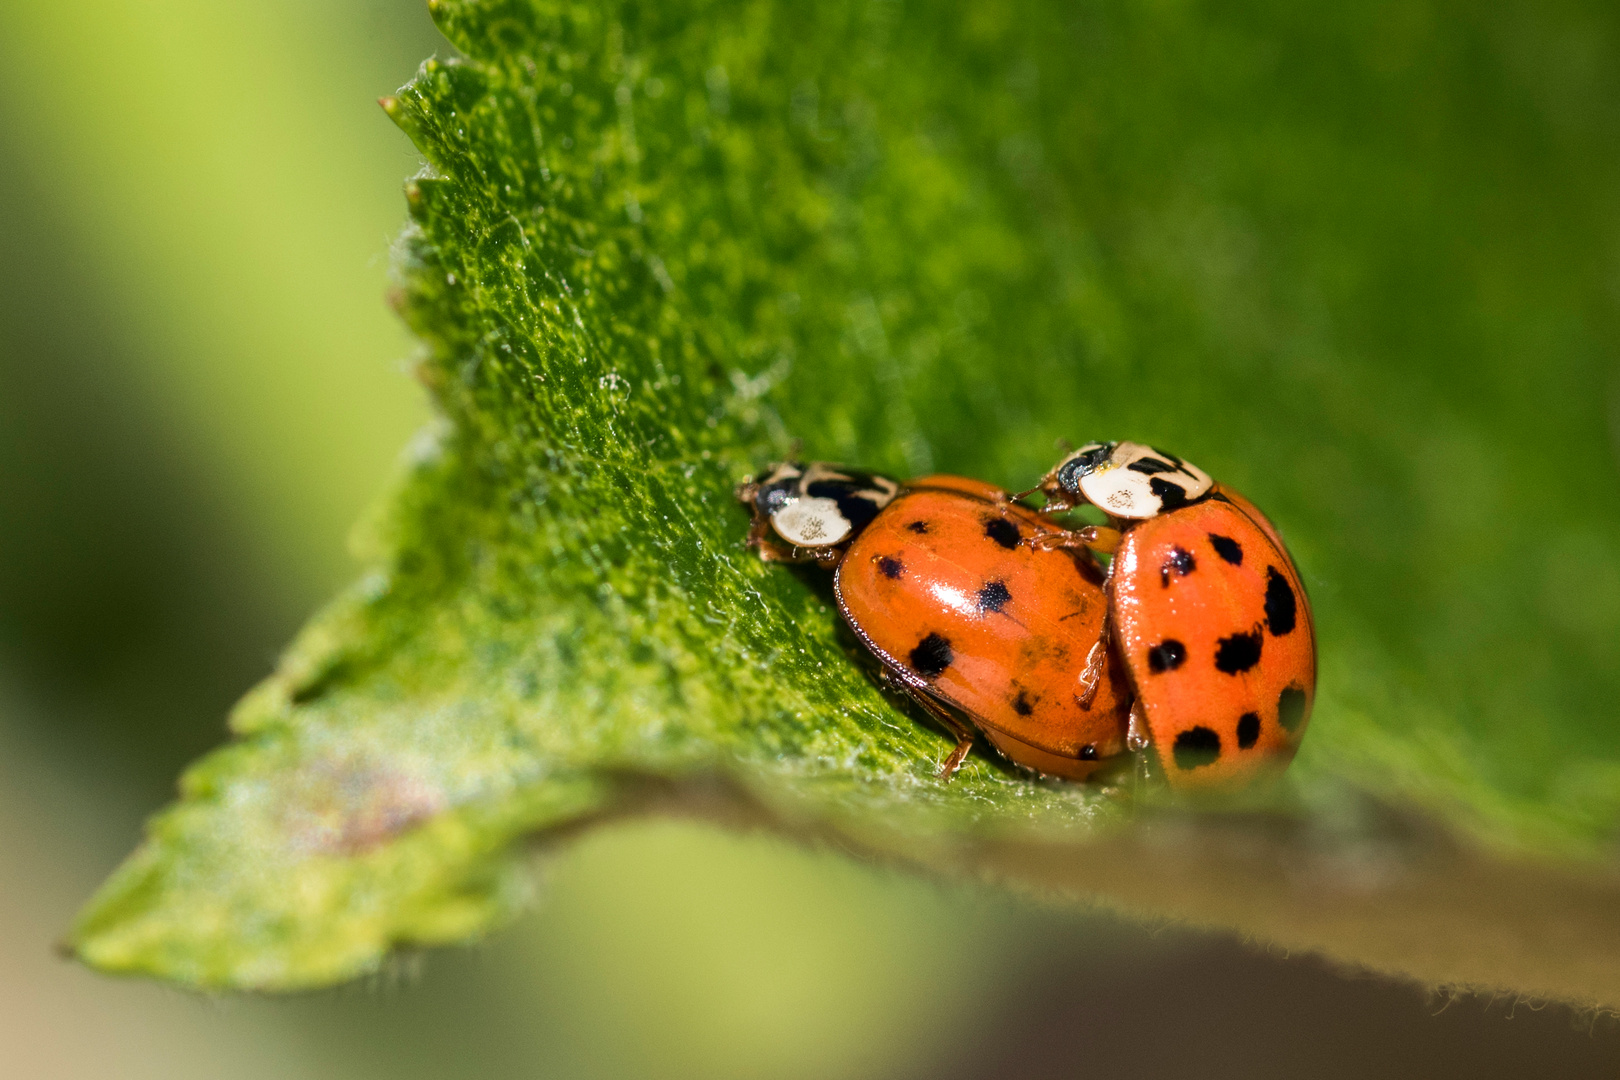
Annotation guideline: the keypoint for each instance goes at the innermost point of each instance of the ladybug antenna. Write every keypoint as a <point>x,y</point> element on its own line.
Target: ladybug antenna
<point>1065,446</point>
<point>1026,494</point>
<point>794,449</point>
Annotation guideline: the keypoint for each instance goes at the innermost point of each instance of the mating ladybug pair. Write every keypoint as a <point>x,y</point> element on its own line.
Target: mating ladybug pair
<point>1193,647</point>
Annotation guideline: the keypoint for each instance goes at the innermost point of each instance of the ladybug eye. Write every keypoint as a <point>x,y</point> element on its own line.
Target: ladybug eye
<point>1080,463</point>
<point>1068,476</point>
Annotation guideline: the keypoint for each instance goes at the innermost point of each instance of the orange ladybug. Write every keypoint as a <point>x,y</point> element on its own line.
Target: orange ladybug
<point>1207,613</point>
<point>953,587</point>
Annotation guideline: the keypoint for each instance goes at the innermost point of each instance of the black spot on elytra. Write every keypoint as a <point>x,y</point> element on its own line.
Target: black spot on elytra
<point>1171,496</point>
<point>992,598</point>
<point>1167,655</point>
<point>918,527</point>
<point>1021,704</point>
<point>1290,708</point>
<point>1002,532</point>
<point>890,567</point>
<point>932,656</point>
<point>1238,653</point>
<point>1088,752</point>
<point>1179,561</point>
<point>1248,730</point>
<point>1280,604</point>
<point>1195,747</point>
<point>1227,548</point>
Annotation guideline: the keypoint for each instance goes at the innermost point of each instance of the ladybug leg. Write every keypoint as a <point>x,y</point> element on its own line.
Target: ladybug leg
<point>1139,741</point>
<point>1096,663</point>
<point>963,733</point>
<point>947,720</point>
<point>828,557</point>
<point>1096,538</point>
<point>759,539</point>
<point>1138,736</point>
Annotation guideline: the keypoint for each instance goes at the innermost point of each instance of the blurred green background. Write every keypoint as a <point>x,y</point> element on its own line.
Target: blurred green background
<point>201,389</point>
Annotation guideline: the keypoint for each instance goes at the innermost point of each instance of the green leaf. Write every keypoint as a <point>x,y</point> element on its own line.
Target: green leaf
<point>1357,263</point>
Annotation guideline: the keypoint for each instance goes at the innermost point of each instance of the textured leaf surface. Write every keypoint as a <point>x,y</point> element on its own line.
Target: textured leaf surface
<point>1358,265</point>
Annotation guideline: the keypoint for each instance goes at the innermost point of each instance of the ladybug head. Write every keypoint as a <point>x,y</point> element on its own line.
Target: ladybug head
<point>1125,480</point>
<point>818,505</point>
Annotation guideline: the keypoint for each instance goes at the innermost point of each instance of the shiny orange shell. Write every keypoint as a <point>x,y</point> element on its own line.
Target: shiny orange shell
<point>1215,631</point>
<point>940,588</point>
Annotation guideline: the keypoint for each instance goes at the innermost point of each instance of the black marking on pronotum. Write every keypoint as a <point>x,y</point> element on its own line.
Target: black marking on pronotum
<point>856,498</point>
<point>993,597</point>
<point>890,567</point>
<point>932,656</point>
<point>1227,548</point>
<point>1002,532</point>
<point>1238,653</point>
<point>1167,655</point>
<point>1280,604</point>
<point>1171,496</point>
<point>1149,466</point>
<point>918,527</point>
<point>1248,730</point>
<point>1021,704</point>
<point>1197,746</point>
<point>1088,752</point>
<point>849,481</point>
<point>1179,561</point>
<point>1290,708</point>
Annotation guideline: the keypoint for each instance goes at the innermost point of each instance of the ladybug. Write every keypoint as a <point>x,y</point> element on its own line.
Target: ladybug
<point>1206,612</point>
<point>817,509</point>
<point>971,603</point>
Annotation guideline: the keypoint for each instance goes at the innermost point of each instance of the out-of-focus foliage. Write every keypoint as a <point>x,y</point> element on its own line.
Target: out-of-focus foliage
<point>656,242</point>
<point>197,383</point>
<point>210,170</point>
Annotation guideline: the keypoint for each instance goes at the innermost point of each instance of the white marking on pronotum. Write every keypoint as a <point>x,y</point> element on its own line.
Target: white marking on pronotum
<point>811,523</point>
<point>1121,493</point>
